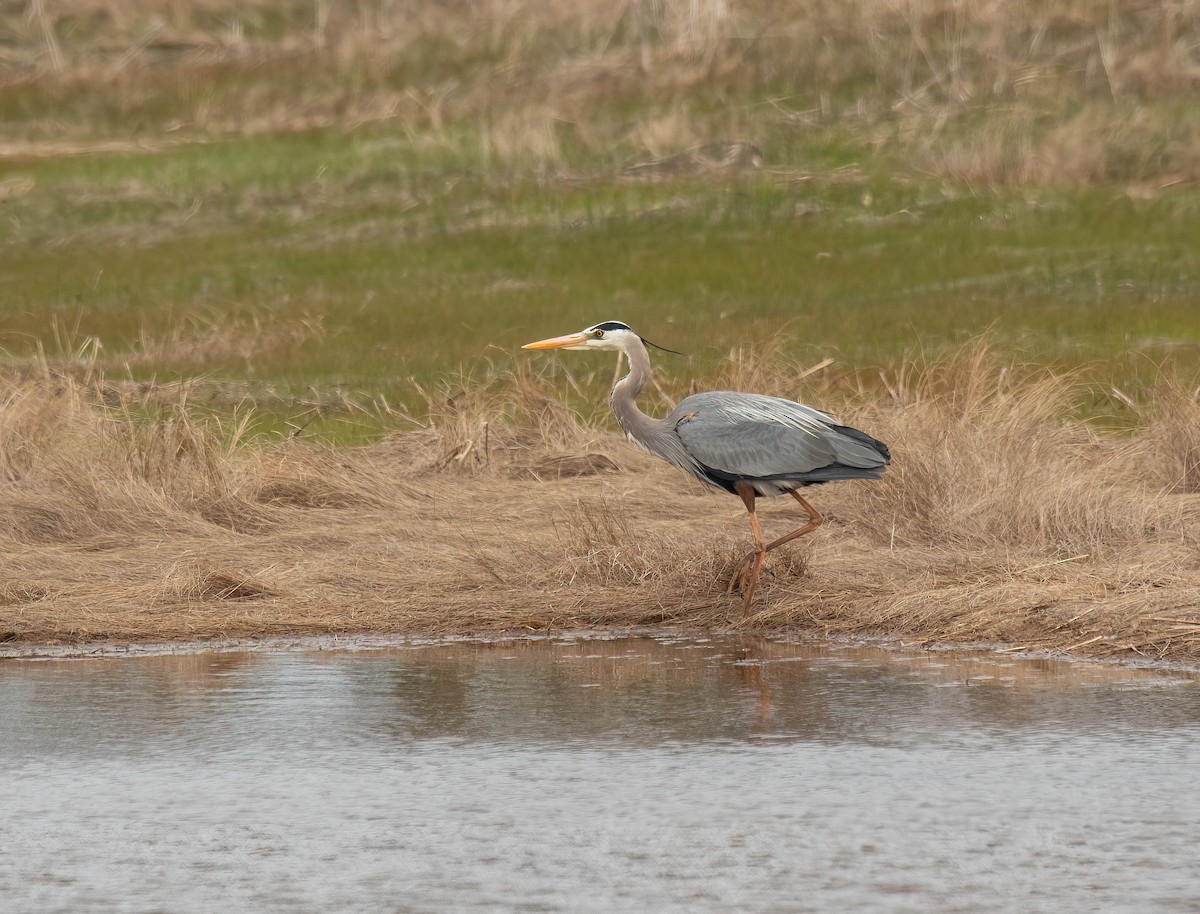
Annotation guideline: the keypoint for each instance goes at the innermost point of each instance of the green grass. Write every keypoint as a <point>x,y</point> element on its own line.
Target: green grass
<point>408,267</point>
<point>330,203</point>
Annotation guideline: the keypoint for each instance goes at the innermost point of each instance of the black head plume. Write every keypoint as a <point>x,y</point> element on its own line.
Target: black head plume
<point>663,348</point>
<point>618,325</point>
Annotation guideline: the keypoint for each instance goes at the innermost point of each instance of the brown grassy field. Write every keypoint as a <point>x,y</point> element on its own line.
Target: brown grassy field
<point>1005,518</point>
<point>983,92</point>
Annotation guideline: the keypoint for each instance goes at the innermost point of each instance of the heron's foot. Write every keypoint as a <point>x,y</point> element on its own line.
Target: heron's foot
<point>745,577</point>
<point>738,579</point>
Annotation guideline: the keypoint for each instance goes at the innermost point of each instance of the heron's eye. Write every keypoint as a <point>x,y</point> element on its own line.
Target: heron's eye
<point>598,333</point>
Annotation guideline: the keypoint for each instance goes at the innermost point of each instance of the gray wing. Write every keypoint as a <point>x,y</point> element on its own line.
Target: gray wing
<point>758,436</point>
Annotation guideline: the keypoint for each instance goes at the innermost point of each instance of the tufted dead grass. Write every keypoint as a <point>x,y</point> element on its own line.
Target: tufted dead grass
<point>1006,517</point>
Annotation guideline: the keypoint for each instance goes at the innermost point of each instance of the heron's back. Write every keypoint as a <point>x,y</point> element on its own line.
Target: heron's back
<point>774,444</point>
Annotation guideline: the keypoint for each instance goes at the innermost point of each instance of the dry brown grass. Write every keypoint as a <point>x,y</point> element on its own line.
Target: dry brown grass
<point>984,91</point>
<point>1170,447</point>
<point>1004,518</point>
<point>994,460</point>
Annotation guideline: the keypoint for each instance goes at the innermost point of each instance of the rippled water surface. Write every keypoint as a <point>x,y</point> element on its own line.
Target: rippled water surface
<point>635,774</point>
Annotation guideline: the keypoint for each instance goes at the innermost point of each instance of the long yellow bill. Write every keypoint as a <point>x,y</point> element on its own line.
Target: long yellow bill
<point>558,342</point>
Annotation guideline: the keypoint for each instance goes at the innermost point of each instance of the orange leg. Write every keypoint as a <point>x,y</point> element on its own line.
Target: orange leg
<point>746,577</point>
<point>814,521</point>
<point>747,574</point>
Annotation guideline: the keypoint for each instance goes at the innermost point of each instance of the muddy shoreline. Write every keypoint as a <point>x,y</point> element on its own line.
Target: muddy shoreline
<point>966,655</point>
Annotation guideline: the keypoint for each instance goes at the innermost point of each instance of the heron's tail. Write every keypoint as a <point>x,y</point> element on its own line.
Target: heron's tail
<point>862,438</point>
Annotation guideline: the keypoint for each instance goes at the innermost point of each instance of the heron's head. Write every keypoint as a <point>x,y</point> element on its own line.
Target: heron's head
<point>607,335</point>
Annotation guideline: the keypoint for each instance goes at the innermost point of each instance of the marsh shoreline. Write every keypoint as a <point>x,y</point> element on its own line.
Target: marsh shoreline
<point>1005,518</point>
<point>368,641</point>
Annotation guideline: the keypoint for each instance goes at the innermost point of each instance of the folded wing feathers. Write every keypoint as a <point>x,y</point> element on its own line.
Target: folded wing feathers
<point>763,436</point>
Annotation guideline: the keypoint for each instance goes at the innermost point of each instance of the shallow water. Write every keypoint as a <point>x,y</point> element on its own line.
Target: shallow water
<point>668,774</point>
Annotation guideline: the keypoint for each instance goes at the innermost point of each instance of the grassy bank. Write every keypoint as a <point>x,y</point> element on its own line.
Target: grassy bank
<point>1003,519</point>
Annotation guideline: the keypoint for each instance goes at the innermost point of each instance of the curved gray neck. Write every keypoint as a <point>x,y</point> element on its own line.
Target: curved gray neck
<point>635,423</point>
<point>655,435</point>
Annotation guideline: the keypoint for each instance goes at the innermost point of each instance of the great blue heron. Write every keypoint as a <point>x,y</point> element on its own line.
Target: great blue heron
<point>748,444</point>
